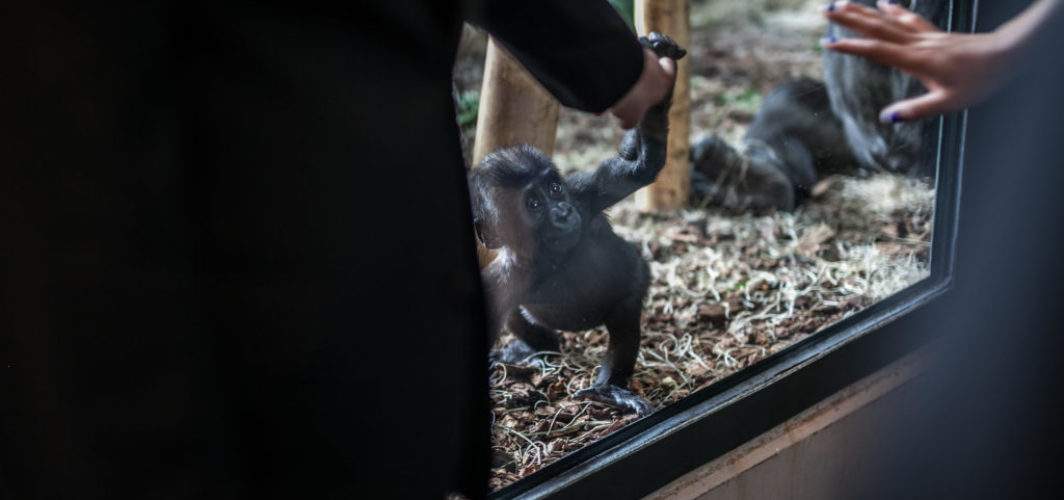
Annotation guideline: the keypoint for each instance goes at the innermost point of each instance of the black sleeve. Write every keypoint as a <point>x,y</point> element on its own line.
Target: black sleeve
<point>581,51</point>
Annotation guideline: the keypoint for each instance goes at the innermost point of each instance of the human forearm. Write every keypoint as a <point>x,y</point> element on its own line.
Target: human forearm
<point>1020,32</point>
<point>958,69</point>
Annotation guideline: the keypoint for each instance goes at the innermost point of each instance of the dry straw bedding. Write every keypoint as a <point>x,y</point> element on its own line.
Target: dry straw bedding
<point>727,291</point>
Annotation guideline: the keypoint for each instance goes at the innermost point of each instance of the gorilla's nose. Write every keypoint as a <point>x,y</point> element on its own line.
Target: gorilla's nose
<point>562,213</point>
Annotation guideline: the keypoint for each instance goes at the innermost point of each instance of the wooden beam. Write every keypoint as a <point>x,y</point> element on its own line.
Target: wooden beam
<point>671,190</point>
<point>514,109</point>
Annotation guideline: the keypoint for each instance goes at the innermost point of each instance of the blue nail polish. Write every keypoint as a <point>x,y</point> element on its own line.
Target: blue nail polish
<point>831,7</point>
<point>830,39</point>
<point>894,117</point>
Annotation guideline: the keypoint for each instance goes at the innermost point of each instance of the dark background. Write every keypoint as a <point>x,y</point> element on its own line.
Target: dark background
<point>985,420</point>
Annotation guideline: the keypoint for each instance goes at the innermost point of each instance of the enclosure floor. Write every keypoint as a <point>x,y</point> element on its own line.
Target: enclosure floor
<point>727,291</point>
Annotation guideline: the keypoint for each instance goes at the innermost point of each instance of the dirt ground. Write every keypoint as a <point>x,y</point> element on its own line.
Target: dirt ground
<point>728,289</point>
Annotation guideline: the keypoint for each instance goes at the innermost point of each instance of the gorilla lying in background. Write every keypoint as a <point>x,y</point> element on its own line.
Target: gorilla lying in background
<point>807,130</point>
<point>794,140</point>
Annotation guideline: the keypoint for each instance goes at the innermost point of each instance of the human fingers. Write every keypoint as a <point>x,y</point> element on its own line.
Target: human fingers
<point>933,103</point>
<point>652,86</point>
<point>668,65</point>
<point>888,53</point>
<point>850,7</point>
<point>865,21</point>
<point>626,116</point>
<point>905,17</point>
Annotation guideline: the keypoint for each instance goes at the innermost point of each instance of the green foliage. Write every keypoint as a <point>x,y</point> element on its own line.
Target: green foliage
<point>468,105</point>
<point>626,8</point>
<point>816,47</point>
<point>742,98</point>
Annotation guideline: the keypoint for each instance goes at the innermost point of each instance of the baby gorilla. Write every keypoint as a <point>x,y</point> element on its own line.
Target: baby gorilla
<point>560,265</point>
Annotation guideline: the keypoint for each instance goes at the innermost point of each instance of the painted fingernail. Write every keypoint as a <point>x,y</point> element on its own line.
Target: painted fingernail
<point>828,39</point>
<point>892,117</point>
<point>829,7</point>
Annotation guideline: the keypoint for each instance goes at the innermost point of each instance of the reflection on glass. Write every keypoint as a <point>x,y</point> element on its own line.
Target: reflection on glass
<point>754,264</point>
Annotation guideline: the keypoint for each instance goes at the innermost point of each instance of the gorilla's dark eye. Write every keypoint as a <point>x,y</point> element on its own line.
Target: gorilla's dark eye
<point>555,188</point>
<point>533,203</point>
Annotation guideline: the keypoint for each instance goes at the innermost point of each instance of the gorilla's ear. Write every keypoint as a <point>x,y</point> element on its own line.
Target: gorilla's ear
<point>484,216</point>
<point>486,234</point>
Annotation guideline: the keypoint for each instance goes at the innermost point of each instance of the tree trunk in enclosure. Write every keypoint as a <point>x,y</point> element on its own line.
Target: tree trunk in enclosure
<point>514,108</point>
<point>670,191</point>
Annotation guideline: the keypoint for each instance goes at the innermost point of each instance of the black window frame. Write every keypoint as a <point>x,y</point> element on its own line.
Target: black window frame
<point>642,457</point>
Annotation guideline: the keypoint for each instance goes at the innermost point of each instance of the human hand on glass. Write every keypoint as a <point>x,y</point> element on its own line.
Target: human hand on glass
<point>958,69</point>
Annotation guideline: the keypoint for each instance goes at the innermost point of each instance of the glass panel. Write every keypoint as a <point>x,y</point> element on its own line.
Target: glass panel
<point>805,209</point>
